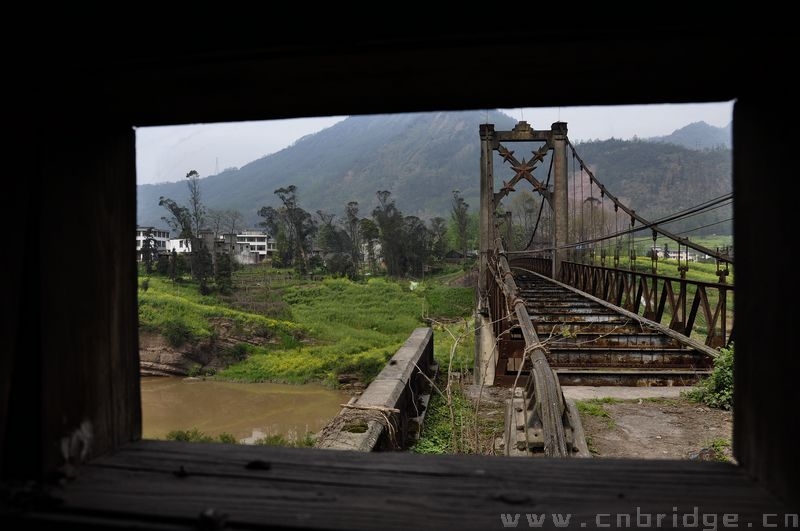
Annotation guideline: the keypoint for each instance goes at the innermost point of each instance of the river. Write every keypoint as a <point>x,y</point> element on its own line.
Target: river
<point>247,411</point>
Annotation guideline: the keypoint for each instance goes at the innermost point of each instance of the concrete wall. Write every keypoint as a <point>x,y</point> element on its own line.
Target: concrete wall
<point>389,413</point>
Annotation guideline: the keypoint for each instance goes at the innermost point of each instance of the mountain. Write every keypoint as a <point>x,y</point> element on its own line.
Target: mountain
<point>658,179</point>
<point>422,157</point>
<point>699,136</point>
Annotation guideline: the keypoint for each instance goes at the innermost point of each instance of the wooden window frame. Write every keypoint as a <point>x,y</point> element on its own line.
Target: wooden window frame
<point>70,348</point>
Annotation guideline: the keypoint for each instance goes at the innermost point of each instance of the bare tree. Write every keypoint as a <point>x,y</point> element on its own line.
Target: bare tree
<point>352,228</point>
<point>196,209</point>
<point>232,218</point>
<point>460,217</point>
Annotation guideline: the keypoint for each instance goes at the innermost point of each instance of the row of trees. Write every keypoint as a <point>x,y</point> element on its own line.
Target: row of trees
<point>187,221</point>
<point>352,245</point>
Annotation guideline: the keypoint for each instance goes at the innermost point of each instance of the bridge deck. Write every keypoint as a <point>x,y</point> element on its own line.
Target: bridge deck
<point>590,342</point>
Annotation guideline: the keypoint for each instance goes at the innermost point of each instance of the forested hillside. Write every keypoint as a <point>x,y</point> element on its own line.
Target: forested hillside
<point>421,158</point>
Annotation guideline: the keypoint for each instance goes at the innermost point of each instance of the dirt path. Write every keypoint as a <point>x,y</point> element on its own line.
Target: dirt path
<point>638,422</point>
<point>656,428</point>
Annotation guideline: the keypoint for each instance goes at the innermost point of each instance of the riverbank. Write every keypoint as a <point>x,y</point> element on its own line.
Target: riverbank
<point>333,331</point>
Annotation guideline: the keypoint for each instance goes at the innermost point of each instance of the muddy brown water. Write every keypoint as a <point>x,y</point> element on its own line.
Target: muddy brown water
<point>247,411</point>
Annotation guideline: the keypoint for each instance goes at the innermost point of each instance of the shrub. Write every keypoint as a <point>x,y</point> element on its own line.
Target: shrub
<point>307,441</point>
<point>177,333</point>
<point>273,440</point>
<point>193,435</point>
<point>238,352</point>
<point>277,439</point>
<point>225,437</point>
<point>717,390</point>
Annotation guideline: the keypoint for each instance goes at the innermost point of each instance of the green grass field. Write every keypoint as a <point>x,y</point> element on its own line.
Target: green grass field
<point>330,327</point>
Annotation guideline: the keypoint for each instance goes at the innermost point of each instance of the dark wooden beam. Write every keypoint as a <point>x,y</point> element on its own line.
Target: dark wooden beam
<point>154,484</point>
<point>766,360</point>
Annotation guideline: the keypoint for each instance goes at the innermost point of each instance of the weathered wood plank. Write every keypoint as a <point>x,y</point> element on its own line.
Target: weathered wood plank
<point>327,489</point>
<point>766,360</point>
<point>89,352</point>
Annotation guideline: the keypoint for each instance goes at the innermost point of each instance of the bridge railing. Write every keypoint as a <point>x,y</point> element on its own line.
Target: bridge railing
<point>499,307</point>
<point>541,265</point>
<point>389,413</point>
<point>544,415</point>
<point>704,309</point>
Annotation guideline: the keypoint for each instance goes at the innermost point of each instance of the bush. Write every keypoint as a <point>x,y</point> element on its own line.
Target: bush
<point>277,439</point>
<point>273,440</point>
<point>177,333</point>
<point>193,435</point>
<point>238,352</point>
<point>227,438</point>
<point>717,390</point>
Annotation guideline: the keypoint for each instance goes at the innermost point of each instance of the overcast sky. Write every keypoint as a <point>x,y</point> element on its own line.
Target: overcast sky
<point>169,153</point>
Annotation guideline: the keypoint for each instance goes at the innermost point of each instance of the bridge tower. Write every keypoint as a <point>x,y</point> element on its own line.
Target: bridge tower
<point>555,140</point>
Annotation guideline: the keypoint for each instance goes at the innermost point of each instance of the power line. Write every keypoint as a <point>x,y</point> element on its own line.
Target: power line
<point>636,217</point>
<point>618,233</point>
<point>708,225</point>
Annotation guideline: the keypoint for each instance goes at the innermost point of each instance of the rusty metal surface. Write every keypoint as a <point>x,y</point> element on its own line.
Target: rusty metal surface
<point>543,397</point>
<point>686,306</point>
<point>587,340</point>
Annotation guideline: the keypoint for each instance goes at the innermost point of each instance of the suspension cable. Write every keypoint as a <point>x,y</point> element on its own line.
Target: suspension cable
<point>643,221</point>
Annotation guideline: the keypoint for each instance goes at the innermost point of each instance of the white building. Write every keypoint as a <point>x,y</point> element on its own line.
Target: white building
<point>254,246</point>
<point>250,246</point>
<point>179,245</point>
<point>160,240</point>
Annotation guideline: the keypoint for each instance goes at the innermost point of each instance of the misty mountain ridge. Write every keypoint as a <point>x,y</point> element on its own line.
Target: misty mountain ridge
<point>422,157</point>
<point>699,136</point>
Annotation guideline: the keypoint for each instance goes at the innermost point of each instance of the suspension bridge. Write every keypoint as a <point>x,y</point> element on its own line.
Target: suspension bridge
<point>575,306</point>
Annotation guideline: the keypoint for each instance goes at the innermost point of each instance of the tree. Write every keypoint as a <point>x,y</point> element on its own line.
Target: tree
<point>196,209</point>
<point>292,227</point>
<point>460,217</point>
<point>352,228</point>
<point>369,234</point>
<point>231,219</point>
<point>187,222</point>
<point>274,223</point>
<point>438,235</point>
<point>415,245</point>
<point>389,221</point>
<point>179,220</point>
<point>337,246</point>
<point>172,269</point>
<point>215,219</point>
<point>223,277</point>
<point>149,251</point>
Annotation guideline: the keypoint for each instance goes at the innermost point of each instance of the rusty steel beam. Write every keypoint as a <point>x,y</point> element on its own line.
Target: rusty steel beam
<point>611,284</point>
<point>548,400</point>
<point>683,339</point>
